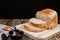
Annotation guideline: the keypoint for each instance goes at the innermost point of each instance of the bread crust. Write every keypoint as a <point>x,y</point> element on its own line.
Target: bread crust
<point>47,11</point>
<point>53,23</point>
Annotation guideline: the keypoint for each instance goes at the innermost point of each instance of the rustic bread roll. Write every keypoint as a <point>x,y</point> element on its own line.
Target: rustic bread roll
<point>46,14</point>
<point>31,28</point>
<point>38,23</point>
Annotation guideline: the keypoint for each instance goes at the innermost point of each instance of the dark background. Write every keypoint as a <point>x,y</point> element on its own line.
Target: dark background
<point>27,8</point>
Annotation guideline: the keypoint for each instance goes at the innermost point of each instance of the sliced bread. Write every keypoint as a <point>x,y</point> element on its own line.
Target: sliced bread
<point>31,28</point>
<point>38,23</point>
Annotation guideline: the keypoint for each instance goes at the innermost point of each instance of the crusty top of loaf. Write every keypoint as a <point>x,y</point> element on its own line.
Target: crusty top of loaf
<point>47,11</point>
<point>46,14</point>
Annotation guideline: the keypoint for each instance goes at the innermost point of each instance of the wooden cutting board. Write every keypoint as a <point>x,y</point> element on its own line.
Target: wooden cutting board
<point>45,35</point>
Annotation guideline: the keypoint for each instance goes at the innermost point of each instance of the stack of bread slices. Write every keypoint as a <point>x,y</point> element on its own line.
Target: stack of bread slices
<point>45,19</point>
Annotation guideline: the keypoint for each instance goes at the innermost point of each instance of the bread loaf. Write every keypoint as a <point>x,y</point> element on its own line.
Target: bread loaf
<point>48,15</point>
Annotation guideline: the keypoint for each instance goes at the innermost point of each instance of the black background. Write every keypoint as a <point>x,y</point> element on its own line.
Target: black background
<point>26,8</point>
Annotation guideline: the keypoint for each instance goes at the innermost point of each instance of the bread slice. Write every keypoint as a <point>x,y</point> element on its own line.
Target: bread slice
<point>31,28</point>
<point>38,23</point>
<point>46,14</point>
